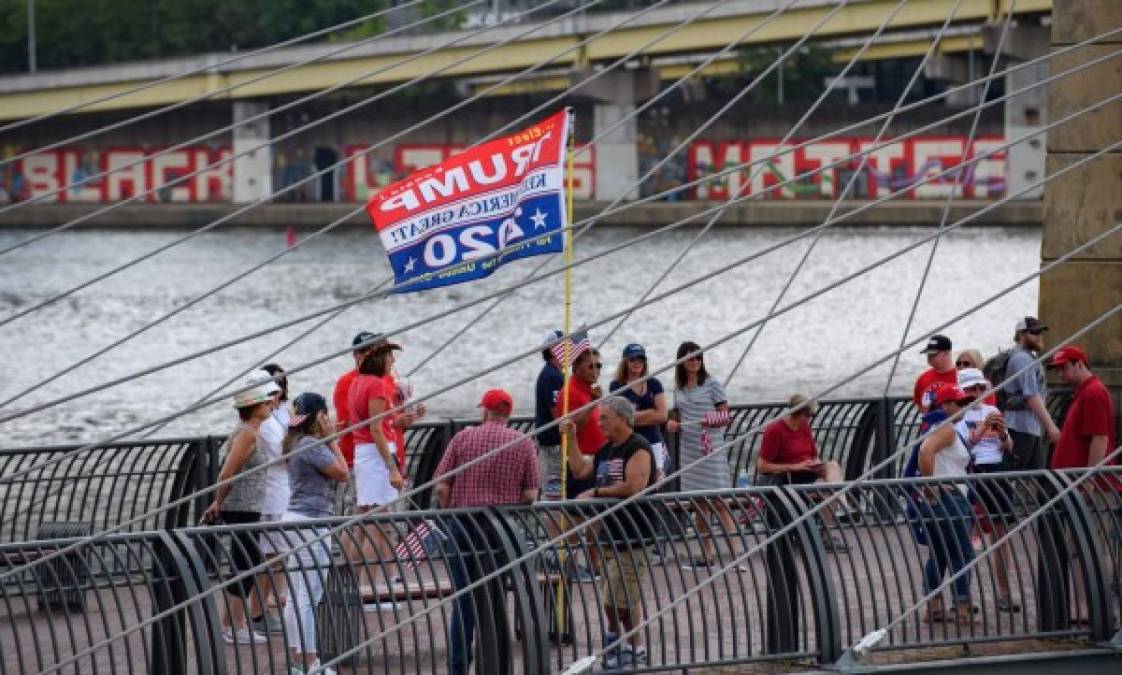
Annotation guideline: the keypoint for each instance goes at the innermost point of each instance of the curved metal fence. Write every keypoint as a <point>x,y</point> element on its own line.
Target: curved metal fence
<point>393,594</point>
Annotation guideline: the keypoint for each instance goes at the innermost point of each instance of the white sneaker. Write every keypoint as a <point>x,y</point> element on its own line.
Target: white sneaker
<point>313,667</point>
<point>243,636</point>
<point>379,607</point>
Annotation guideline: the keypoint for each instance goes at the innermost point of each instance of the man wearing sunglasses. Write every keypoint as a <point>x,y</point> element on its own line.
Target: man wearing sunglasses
<point>1026,414</point>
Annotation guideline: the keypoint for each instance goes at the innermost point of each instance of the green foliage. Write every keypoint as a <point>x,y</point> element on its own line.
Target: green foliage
<point>74,33</point>
<point>804,73</point>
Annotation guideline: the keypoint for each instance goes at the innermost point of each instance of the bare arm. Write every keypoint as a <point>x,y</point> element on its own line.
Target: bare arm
<point>634,478</point>
<point>1036,405</point>
<point>579,465</point>
<point>1097,450</point>
<point>241,447</point>
<point>939,439</point>
<point>443,494</point>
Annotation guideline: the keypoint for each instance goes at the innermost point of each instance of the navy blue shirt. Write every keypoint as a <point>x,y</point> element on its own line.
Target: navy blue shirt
<point>645,402</point>
<point>550,382</point>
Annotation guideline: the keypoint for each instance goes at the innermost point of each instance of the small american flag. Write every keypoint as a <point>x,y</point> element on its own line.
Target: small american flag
<point>580,344</point>
<point>418,543</point>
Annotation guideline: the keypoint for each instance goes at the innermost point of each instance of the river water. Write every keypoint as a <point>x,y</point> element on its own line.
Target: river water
<point>810,348</point>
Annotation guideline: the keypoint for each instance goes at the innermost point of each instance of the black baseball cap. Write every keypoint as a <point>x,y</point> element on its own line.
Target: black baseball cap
<point>367,340</point>
<point>937,343</point>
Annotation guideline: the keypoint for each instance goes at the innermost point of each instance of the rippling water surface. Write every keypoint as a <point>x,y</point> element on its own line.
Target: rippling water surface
<point>812,347</point>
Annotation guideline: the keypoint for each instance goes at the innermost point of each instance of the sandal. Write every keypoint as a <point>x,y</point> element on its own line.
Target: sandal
<point>938,616</point>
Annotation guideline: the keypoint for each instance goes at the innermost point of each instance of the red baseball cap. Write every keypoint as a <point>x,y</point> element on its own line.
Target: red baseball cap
<point>950,393</point>
<point>496,399</point>
<point>1065,354</point>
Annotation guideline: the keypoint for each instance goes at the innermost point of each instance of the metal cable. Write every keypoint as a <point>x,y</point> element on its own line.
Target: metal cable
<point>760,168</point>
<point>285,251</point>
<point>590,258</point>
<point>834,497</point>
<point>205,95</point>
<point>849,184</point>
<point>805,299</point>
<point>870,640</point>
<point>608,510</point>
<point>950,195</point>
<point>326,118</point>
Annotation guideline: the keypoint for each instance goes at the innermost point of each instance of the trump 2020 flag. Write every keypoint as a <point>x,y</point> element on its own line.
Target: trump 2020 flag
<point>461,219</point>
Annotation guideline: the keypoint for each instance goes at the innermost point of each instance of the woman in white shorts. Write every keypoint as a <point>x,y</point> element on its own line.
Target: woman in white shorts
<point>378,478</point>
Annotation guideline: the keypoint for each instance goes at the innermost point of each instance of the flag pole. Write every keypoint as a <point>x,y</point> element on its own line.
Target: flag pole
<point>566,364</point>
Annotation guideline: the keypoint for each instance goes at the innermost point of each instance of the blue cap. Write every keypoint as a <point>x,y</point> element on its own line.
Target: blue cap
<point>634,350</point>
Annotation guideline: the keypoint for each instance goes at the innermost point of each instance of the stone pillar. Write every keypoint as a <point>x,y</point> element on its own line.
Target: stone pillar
<point>1088,200</point>
<point>617,153</point>
<point>253,173</point>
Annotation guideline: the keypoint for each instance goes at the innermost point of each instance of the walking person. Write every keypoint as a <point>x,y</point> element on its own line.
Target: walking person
<point>314,469</point>
<point>622,468</point>
<point>510,476</point>
<point>649,398</point>
<point>1025,406</point>
<point>238,502</point>
<point>990,446</point>
<point>945,511</point>
<point>701,413</point>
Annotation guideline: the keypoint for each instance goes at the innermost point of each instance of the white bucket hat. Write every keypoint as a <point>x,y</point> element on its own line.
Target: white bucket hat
<point>971,377</point>
<point>260,391</point>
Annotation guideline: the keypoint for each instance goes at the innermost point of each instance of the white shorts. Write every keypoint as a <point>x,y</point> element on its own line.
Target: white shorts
<point>372,476</point>
<point>272,542</point>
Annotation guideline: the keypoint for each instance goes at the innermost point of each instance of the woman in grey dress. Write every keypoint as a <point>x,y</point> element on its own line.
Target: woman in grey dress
<point>700,416</point>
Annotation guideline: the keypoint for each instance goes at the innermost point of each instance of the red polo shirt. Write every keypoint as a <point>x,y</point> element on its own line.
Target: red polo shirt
<point>589,437</point>
<point>1091,414</point>
<point>784,445</point>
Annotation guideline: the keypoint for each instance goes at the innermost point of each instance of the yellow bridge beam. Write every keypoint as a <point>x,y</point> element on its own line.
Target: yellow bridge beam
<point>704,35</point>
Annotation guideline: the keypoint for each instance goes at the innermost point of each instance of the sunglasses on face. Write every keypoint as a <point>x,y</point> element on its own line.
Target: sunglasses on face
<point>1035,332</point>
<point>964,364</point>
<point>597,366</point>
<point>694,358</point>
<point>637,359</point>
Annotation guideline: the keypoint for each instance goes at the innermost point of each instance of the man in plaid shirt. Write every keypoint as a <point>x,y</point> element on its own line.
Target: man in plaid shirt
<point>508,476</point>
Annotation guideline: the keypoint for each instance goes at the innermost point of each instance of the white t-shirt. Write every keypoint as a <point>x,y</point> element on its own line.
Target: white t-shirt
<point>270,437</point>
<point>951,462</point>
<point>987,450</point>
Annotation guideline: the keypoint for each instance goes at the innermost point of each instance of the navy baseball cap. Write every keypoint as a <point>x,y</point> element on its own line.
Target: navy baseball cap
<point>634,351</point>
<point>367,340</point>
<point>937,343</point>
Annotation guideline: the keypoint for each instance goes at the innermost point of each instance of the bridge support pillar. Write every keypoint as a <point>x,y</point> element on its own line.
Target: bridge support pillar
<point>253,173</point>
<point>1086,201</point>
<point>617,153</point>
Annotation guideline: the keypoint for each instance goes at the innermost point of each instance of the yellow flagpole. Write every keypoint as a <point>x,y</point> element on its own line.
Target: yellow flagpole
<point>566,368</point>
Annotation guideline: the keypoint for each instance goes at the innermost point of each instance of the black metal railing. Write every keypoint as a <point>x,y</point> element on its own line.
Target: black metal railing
<point>156,601</point>
<point>110,485</point>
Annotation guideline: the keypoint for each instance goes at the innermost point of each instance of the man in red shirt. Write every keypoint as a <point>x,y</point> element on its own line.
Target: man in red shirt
<point>582,390</point>
<point>941,370</point>
<point>509,476</point>
<point>1088,431</point>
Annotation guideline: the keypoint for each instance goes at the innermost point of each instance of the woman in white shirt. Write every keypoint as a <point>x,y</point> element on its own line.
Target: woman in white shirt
<point>946,512</point>
<point>990,445</point>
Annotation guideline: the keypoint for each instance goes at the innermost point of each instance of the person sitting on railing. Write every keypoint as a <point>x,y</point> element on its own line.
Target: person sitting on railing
<point>946,514</point>
<point>314,470</point>
<point>622,467</point>
<point>511,476</point>
<point>789,456</point>
<point>238,502</point>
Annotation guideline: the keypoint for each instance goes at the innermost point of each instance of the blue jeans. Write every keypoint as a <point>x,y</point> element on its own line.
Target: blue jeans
<point>468,557</point>
<point>947,522</point>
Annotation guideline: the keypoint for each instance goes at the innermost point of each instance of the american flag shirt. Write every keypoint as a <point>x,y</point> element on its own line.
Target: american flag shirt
<point>631,525</point>
<point>499,479</point>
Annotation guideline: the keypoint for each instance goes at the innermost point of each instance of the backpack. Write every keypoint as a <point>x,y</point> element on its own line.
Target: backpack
<point>995,369</point>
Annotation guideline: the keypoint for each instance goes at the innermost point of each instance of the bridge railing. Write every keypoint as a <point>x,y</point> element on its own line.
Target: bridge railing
<point>154,601</point>
<point>94,490</point>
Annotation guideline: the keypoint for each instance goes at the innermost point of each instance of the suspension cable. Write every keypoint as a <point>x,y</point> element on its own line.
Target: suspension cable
<point>204,96</point>
<point>334,115</point>
<point>587,259</point>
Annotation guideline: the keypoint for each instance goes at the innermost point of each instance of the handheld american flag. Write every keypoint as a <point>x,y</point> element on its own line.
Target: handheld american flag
<point>419,543</point>
<point>461,219</point>
<point>579,344</point>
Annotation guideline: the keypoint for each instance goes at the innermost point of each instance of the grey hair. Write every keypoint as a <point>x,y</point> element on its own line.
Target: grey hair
<point>622,407</point>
